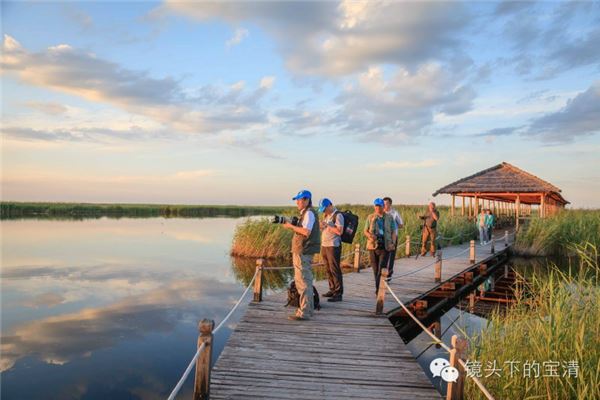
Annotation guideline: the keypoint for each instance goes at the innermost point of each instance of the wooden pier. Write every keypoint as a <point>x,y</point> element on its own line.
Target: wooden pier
<point>345,350</point>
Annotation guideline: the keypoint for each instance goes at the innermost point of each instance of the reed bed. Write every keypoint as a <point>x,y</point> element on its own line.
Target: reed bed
<point>12,210</point>
<point>555,322</point>
<point>261,238</point>
<point>551,236</point>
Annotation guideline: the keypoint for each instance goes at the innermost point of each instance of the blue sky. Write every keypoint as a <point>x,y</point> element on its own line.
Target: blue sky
<point>247,102</point>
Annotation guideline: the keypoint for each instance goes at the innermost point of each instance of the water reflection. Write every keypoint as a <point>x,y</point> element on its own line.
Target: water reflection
<point>108,308</point>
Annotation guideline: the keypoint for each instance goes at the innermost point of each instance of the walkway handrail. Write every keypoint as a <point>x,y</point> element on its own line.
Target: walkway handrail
<point>191,364</point>
<point>437,340</point>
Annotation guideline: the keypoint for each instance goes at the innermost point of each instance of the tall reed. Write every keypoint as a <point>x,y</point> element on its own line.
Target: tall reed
<point>556,320</point>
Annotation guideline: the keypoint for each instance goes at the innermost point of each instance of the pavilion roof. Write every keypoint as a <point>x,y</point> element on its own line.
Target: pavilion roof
<point>502,178</point>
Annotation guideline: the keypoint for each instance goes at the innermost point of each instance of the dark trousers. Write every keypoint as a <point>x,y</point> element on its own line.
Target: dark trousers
<point>379,259</point>
<point>391,259</point>
<point>331,258</point>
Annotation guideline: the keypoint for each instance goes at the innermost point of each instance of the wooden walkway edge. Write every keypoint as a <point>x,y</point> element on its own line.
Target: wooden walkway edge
<point>344,352</point>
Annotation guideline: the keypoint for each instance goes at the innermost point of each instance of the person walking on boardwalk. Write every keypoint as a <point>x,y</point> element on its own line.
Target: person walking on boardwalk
<point>380,231</point>
<point>387,201</point>
<point>481,225</point>
<point>306,242</point>
<point>332,226</point>
<point>490,222</point>
<point>430,220</point>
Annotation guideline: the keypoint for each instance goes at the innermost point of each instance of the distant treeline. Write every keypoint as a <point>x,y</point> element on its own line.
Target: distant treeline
<point>12,210</point>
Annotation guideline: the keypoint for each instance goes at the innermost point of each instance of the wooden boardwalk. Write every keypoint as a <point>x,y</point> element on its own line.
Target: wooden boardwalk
<point>344,352</point>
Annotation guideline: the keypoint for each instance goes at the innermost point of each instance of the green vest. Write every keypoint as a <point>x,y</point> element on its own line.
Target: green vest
<point>387,231</point>
<point>311,244</point>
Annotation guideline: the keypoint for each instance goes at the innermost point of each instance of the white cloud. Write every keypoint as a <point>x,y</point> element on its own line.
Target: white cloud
<point>267,82</point>
<point>239,35</point>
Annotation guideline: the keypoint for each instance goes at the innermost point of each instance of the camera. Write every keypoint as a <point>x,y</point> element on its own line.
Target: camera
<point>278,219</point>
<point>423,216</point>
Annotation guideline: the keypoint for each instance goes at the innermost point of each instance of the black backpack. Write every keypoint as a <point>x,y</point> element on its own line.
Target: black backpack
<point>293,297</point>
<point>350,225</point>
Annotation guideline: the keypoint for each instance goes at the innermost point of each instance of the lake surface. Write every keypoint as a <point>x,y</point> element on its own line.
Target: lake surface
<point>108,308</point>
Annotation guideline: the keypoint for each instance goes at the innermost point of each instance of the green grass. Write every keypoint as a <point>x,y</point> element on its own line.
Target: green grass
<point>261,238</point>
<point>557,319</point>
<point>550,236</point>
<point>12,210</point>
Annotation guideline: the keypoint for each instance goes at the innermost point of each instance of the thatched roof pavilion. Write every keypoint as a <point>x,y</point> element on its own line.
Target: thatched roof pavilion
<point>508,190</point>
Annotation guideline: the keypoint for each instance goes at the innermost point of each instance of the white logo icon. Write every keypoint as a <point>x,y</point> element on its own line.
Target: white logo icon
<point>437,365</point>
<point>441,367</point>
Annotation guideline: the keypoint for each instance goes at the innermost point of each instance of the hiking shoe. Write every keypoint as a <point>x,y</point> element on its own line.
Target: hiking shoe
<point>295,317</point>
<point>328,294</point>
<point>335,299</point>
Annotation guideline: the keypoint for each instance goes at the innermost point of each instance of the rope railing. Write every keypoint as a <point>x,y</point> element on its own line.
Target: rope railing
<point>437,340</point>
<point>214,331</point>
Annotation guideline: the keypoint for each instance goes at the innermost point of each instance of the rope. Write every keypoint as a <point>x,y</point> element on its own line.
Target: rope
<point>193,362</point>
<point>439,341</point>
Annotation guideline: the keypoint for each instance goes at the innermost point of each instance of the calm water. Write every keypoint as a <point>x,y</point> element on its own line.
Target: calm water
<point>108,309</point>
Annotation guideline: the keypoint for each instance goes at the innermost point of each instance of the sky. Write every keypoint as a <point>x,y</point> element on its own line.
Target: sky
<point>250,102</point>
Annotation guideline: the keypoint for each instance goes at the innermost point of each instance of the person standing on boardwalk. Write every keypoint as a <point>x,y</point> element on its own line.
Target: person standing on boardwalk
<point>387,201</point>
<point>306,242</point>
<point>490,222</point>
<point>332,226</point>
<point>430,220</point>
<point>481,225</point>
<point>380,231</point>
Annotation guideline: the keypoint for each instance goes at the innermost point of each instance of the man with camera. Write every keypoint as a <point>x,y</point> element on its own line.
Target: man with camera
<point>430,220</point>
<point>387,201</point>
<point>332,226</point>
<point>380,230</point>
<point>306,242</point>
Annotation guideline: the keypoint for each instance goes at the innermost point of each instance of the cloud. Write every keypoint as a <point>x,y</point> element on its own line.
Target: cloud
<point>403,106</point>
<point>579,117</point>
<point>90,134</point>
<point>49,108</point>
<point>404,164</point>
<point>207,110</point>
<point>239,35</point>
<point>48,299</point>
<point>336,38</point>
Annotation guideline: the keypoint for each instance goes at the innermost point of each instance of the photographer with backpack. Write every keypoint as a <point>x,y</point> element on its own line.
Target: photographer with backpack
<point>430,220</point>
<point>332,226</point>
<point>380,230</point>
<point>399,225</point>
<point>306,242</point>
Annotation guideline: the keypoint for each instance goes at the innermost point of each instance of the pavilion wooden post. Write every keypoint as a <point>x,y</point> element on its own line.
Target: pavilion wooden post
<point>470,207</point>
<point>462,210</point>
<point>476,206</point>
<point>357,257</point>
<point>258,282</point>
<point>542,205</point>
<point>202,382</point>
<point>453,200</point>
<point>517,209</point>
<point>455,390</point>
<point>381,292</point>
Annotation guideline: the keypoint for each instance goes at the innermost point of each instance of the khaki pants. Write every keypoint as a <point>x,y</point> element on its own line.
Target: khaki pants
<point>428,233</point>
<point>303,277</point>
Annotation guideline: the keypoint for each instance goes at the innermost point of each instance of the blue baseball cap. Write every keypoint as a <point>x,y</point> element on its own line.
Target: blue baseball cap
<point>323,204</point>
<point>378,202</point>
<point>303,194</point>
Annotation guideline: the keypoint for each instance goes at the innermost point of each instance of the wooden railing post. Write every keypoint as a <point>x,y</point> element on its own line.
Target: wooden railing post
<point>357,257</point>
<point>407,246</point>
<point>472,302</point>
<point>455,390</point>
<point>381,292</point>
<point>506,270</point>
<point>438,267</point>
<point>505,238</point>
<point>202,382</point>
<point>472,252</point>
<point>258,282</point>
<point>492,249</point>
